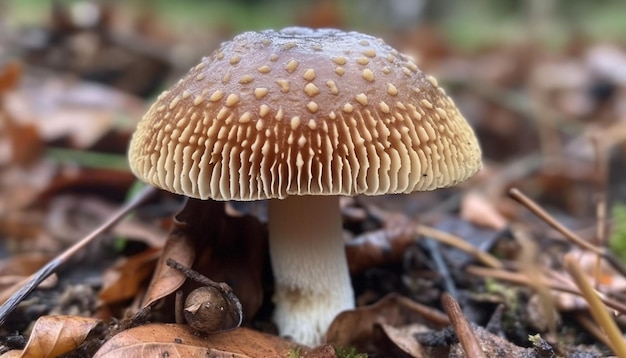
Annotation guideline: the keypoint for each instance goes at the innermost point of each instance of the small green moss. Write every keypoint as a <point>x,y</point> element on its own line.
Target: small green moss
<point>349,352</point>
<point>534,338</point>
<point>509,293</point>
<point>617,240</point>
<point>295,352</point>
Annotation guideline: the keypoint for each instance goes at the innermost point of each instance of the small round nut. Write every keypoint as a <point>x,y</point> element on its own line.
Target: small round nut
<point>207,310</point>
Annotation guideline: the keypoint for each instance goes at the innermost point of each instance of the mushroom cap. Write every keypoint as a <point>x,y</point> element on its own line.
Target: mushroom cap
<point>303,112</point>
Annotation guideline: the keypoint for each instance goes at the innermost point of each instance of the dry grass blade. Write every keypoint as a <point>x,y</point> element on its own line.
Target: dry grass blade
<point>550,220</point>
<point>530,266</point>
<point>597,308</point>
<point>459,243</point>
<point>521,279</point>
<point>36,278</point>
<point>585,321</point>
<point>461,326</point>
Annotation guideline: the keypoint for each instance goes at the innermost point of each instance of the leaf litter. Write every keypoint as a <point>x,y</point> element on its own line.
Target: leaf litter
<point>435,274</point>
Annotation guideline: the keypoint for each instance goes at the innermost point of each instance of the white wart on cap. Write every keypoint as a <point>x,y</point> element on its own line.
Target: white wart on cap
<point>298,112</point>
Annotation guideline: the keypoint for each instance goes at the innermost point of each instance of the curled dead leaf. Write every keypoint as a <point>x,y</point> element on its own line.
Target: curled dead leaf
<point>379,247</point>
<point>10,75</point>
<point>402,339</point>
<point>219,246</point>
<point>355,328</point>
<point>127,277</point>
<point>181,340</point>
<point>477,209</point>
<point>56,335</point>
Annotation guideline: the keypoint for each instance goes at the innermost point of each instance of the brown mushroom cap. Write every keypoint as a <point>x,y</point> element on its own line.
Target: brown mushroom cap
<point>303,112</point>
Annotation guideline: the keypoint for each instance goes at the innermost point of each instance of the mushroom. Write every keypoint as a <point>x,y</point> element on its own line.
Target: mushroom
<point>300,117</point>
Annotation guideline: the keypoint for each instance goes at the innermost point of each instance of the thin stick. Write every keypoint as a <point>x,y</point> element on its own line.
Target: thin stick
<point>35,279</point>
<point>530,267</point>
<point>570,235</point>
<point>179,306</point>
<point>591,327</point>
<point>601,204</point>
<point>198,277</point>
<point>461,327</point>
<point>520,279</point>
<point>598,311</point>
<point>550,220</point>
<point>459,243</point>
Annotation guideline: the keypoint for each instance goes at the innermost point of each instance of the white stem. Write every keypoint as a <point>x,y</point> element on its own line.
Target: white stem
<point>310,268</point>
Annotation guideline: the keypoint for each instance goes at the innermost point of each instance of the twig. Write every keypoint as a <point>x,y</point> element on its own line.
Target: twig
<point>461,327</point>
<point>459,243</point>
<point>570,235</point>
<point>591,327</point>
<point>35,279</point>
<point>550,220</point>
<point>179,306</point>
<point>598,311</point>
<point>198,277</point>
<point>602,164</point>
<point>521,279</point>
<point>530,267</point>
<point>433,246</point>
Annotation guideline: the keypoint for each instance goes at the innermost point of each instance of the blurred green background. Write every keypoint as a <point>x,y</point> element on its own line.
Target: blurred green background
<point>468,24</point>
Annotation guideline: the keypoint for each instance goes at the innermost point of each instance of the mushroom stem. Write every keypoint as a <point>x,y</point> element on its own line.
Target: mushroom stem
<point>310,267</point>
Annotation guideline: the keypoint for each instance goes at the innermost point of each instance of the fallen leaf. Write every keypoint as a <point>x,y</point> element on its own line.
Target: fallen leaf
<point>109,184</point>
<point>26,143</point>
<point>13,283</point>
<point>166,280</point>
<point>219,246</point>
<point>77,113</point>
<point>476,209</point>
<point>380,247</point>
<point>127,277</point>
<point>23,264</point>
<point>355,328</point>
<point>181,340</point>
<point>403,340</point>
<point>56,335</point>
<point>10,75</point>
<point>16,269</point>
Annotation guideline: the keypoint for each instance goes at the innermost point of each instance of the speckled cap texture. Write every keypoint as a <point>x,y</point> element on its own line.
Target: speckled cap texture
<point>303,112</point>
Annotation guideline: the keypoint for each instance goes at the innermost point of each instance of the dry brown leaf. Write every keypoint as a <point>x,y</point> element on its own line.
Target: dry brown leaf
<point>62,109</point>
<point>23,139</point>
<point>165,279</point>
<point>221,247</point>
<point>356,327</point>
<point>476,209</point>
<point>26,142</point>
<point>379,248</point>
<point>15,270</point>
<point>128,276</point>
<point>24,263</point>
<point>56,335</point>
<point>181,340</point>
<point>13,284</point>
<point>403,339</point>
<point>10,75</point>
<point>110,184</point>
